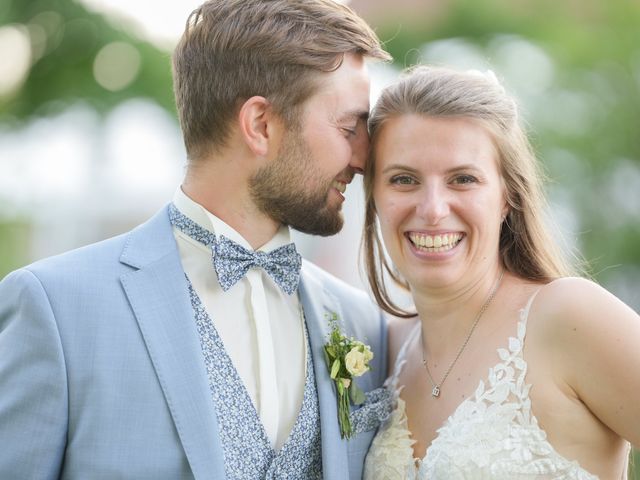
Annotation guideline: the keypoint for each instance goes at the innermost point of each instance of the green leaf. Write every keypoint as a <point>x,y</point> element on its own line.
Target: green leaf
<point>326,358</point>
<point>335,368</point>
<point>357,395</point>
<point>330,350</point>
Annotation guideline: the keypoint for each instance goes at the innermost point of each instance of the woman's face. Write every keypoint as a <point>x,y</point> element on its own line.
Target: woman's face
<point>439,198</point>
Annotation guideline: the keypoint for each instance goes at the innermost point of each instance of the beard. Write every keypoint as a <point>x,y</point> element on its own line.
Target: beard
<point>282,190</point>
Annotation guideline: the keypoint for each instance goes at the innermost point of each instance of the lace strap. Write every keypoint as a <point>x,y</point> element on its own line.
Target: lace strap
<point>524,313</point>
<point>516,344</point>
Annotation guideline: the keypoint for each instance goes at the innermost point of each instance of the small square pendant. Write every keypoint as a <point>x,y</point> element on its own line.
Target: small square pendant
<point>436,391</point>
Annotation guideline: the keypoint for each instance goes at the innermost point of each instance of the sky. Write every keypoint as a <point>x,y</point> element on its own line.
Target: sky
<point>159,22</point>
<point>162,22</point>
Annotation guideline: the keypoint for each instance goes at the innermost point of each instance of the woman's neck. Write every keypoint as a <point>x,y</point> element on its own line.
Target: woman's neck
<point>447,314</point>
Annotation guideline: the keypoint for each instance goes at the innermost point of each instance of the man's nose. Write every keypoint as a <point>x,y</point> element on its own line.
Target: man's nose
<point>359,149</point>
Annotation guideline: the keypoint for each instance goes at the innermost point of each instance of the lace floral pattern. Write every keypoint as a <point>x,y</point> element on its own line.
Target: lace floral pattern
<point>491,435</point>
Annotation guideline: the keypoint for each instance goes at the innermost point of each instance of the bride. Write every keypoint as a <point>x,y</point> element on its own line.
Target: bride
<point>510,367</point>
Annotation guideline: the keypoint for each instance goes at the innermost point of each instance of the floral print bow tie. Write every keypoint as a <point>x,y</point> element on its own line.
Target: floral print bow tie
<point>232,261</point>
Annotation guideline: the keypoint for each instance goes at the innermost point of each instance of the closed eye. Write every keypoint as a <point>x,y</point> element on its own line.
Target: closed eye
<point>348,131</point>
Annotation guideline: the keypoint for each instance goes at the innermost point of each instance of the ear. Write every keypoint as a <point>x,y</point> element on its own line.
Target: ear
<point>505,211</point>
<point>257,122</point>
<point>506,208</point>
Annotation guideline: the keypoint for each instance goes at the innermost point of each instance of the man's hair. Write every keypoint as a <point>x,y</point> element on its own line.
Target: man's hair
<point>526,247</point>
<point>232,50</point>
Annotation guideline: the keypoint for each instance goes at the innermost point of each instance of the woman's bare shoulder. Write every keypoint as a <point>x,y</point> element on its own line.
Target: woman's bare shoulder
<point>571,302</point>
<point>592,337</point>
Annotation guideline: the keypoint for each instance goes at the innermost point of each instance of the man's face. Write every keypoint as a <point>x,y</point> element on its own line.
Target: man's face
<point>303,187</point>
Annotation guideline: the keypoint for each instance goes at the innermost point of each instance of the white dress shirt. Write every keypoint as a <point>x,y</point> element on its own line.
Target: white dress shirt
<point>261,326</point>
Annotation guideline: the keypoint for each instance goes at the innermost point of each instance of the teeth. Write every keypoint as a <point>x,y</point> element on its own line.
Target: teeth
<point>341,187</point>
<point>435,243</point>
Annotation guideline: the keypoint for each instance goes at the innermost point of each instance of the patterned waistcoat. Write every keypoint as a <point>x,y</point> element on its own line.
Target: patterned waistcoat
<point>247,451</point>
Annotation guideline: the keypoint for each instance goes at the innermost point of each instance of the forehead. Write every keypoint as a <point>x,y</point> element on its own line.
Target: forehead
<point>344,91</point>
<point>435,142</point>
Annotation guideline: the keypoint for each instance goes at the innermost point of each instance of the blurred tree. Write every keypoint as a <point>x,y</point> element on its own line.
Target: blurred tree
<point>72,55</point>
<point>14,238</point>
<point>69,61</point>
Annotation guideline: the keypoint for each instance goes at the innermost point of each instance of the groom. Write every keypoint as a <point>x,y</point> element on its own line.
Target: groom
<point>192,346</point>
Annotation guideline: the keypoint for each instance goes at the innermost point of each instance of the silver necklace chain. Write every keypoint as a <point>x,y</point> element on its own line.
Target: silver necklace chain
<point>435,392</point>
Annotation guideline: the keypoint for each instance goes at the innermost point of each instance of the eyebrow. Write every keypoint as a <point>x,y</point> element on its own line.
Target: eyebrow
<point>354,115</point>
<point>398,166</point>
<point>467,166</point>
<point>406,168</point>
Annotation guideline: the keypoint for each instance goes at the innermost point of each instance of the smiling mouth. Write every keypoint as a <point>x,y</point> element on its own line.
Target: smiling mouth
<point>340,186</point>
<point>435,243</point>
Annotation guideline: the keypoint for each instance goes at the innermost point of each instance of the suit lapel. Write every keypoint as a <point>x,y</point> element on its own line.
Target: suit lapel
<point>317,303</point>
<point>157,291</point>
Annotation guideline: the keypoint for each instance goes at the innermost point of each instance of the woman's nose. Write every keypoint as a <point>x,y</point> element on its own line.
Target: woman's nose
<point>433,205</point>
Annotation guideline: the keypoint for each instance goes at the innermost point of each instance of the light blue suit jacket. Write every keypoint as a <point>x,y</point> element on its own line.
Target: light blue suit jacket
<point>102,374</point>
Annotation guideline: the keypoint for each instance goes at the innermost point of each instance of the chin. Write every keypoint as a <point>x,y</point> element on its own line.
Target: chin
<point>431,278</point>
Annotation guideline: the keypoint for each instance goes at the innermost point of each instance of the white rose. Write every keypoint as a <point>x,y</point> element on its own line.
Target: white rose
<point>368,354</point>
<point>356,362</point>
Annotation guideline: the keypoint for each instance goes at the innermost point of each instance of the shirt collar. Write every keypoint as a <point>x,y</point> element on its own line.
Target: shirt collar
<point>216,225</point>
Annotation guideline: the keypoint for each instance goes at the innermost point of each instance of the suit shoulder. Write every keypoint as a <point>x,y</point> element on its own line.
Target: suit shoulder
<point>333,284</point>
<point>81,257</point>
<point>103,254</point>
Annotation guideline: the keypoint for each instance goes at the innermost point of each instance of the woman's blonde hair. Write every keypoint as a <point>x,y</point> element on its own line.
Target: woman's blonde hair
<point>526,247</point>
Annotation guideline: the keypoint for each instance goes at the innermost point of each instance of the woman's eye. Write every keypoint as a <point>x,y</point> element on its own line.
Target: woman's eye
<point>402,180</point>
<point>464,179</point>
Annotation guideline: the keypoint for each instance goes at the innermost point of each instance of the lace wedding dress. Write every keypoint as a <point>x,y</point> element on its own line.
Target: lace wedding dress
<point>491,435</point>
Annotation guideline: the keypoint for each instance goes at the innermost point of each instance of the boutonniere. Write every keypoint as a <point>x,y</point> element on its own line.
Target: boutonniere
<point>346,358</point>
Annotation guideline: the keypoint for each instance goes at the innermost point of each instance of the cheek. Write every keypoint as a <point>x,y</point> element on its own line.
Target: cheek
<point>485,218</point>
<point>486,211</point>
<point>328,151</point>
<point>338,153</point>
<point>391,215</point>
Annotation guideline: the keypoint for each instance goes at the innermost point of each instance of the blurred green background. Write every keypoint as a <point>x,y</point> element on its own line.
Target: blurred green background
<point>575,66</point>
